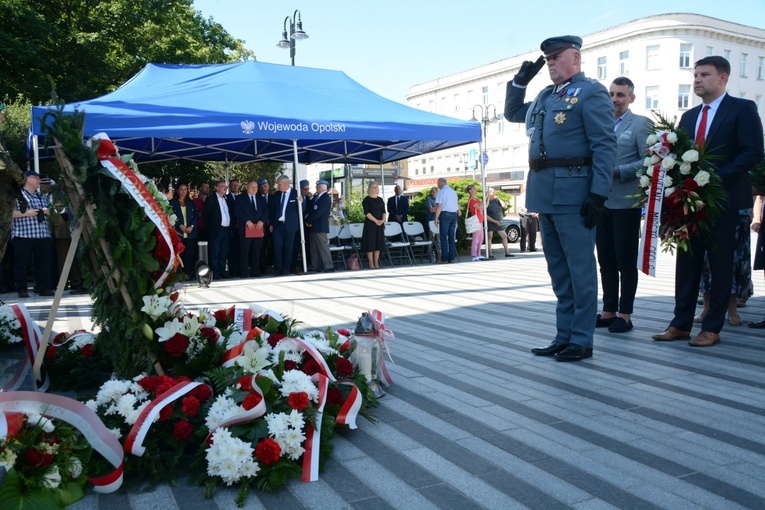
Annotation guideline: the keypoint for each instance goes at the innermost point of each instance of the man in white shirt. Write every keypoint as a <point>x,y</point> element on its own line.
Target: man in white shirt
<point>447,211</point>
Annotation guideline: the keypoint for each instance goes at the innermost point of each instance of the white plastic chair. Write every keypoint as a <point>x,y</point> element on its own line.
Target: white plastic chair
<point>335,248</point>
<point>418,241</point>
<point>395,247</point>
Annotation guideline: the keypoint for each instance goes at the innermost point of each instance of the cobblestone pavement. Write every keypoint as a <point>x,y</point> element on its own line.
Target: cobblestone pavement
<point>475,421</point>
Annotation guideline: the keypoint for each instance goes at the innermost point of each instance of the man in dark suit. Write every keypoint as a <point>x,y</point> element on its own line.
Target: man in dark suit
<point>252,213</point>
<point>217,216</point>
<point>730,131</point>
<point>398,206</point>
<point>317,222</point>
<point>285,222</point>
<point>267,246</point>
<point>617,236</point>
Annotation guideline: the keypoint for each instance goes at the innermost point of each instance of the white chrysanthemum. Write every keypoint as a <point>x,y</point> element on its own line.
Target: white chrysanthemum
<point>292,351</point>
<point>320,342</point>
<point>295,381</point>
<point>91,404</point>
<point>278,423</point>
<point>36,420</point>
<point>667,181</point>
<point>52,479</point>
<point>7,458</point>
<point>254,358</point>
<point>652,139</point>
<point>691,156</point>
<point>645,181</point>
<point>668,191</point>
<point>668,162</point>
<point>170,329</point>
<point>80,340</point>
<point>235,337</point>
<point>685,168</point>
<point>230,458</point>
<point>292,443</point>
<point>222,409</point>
<point>111,391</point>
<point>126,405</point>
<point>702,178</point>
<point>75,467</point>
<point>156,306</point>
<point>296,420</point>
<point>672,137</point>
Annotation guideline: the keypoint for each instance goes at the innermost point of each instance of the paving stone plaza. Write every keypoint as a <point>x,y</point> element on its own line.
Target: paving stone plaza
<point>475,421</point>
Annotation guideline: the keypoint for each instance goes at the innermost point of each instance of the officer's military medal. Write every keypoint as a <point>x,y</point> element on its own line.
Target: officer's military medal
<point>560,118</point>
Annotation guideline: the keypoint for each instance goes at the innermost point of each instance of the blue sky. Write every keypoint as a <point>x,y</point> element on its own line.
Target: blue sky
<point>392,45</point>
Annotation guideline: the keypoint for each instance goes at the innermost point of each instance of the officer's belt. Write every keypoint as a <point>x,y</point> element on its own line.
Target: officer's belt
<point>538,164</point>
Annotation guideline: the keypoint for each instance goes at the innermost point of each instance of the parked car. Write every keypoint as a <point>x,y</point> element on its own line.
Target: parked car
<point>512,228</point>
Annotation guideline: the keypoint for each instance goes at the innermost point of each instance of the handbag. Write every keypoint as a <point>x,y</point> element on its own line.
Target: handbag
<point>471,223</point>
<point>353,262</point>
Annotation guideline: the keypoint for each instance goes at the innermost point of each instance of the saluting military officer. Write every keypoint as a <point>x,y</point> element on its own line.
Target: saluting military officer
<point>572,154</point>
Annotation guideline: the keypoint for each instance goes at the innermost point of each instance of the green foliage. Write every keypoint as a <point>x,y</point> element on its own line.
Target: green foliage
<point>757,173</point>
<point>89,48</point>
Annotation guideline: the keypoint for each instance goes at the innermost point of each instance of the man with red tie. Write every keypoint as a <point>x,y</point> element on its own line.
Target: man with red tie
<point>730,131</point>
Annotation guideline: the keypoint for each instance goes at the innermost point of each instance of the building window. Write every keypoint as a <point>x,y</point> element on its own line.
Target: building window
<point>432,169</point>
<point>683,97</point>
<point>710,51</point>
<point>652,98</point>
<point>744,61</point>
<point>758,102</point>
<point>652,58</point>
<point>457,102</point>
<point>601,68</point>
<point>448,169</point>
<point>416,171</point>
<point>624,56</point>
<point>500,126</point>
<point>761,68</point>
<point>485,95</point>
<point>685,56</point>
<point>726,55</point>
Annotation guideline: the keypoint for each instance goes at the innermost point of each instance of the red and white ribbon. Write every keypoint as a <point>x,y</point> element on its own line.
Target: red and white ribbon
<point>384,334</point>
<point>139,430</point>
<point>649,240</point>
<point>141,194</point>
<point>242,318</point>
<point>79,416</point>
<point>313,436</point>
<point>31,336</point>
<point>317,357</point>
<point>10,424</point>
<point>350,408</point>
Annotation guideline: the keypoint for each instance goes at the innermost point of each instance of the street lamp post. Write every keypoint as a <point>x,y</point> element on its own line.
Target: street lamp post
<point>295,33</point>
<point>488,116</point>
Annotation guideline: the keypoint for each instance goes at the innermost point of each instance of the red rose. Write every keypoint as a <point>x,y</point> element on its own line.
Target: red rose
<point>190,405</point>
<point>268,451</point>
<point>251,401</point>
<point>245,382</point>
<point>176,345</point>
<point>182,430</point>
<point>344,332</point>
<point>51,353</point>
<point>335,396</point>
<point>344,367</point>
<point>690,184</point>
<point>289,365</point>
<point>36,458</point>
<point>166,413</point>
<point>174,297</point>
<point>274,339</point>
<point>310,367</point>
<point>59,339</point>
<point>298,400</point>
<point>88,350</point>
<point>180,379</point>
<point>201,392</point>
<point>210,334</point>
<point>164,383</point>
<point>220,315</point>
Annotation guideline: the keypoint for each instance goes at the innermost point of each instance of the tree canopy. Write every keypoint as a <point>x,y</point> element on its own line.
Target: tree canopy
<point>90,47</point>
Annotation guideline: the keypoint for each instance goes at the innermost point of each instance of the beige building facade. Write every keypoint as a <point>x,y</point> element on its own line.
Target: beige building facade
<point>657,53</point>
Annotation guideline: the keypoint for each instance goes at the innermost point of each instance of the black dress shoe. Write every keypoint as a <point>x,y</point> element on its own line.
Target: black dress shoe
<point>757,325</point>
<point>574,352</point>
<point>550,350</point>
<point>23,294</point>
<point>604,323</point>
<point>47,293</point>
<point>620,326</point>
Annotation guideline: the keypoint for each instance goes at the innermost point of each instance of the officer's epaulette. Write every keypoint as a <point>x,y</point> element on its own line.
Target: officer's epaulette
<point>591,80</point>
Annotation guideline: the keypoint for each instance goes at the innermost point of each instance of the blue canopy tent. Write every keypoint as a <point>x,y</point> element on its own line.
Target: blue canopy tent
<point>253,111</point>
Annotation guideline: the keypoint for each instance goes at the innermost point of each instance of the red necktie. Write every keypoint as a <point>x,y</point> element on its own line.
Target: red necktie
<point>701,134</point>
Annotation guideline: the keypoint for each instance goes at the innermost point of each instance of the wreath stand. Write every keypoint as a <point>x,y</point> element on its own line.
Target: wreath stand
<point>86,225</point>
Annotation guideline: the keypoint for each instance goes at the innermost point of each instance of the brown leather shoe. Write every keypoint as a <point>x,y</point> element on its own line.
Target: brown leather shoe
<point>705,339</point>
<point>672,333</point>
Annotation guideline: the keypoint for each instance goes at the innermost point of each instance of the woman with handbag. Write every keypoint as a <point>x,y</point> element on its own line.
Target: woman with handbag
<point>474,223</point>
